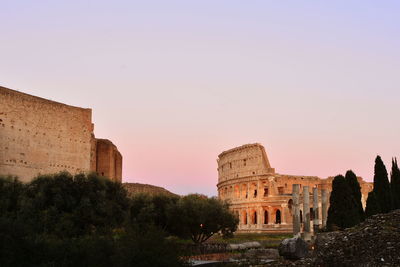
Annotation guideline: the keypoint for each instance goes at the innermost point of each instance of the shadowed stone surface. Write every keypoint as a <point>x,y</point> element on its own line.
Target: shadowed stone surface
<point>293,248</point>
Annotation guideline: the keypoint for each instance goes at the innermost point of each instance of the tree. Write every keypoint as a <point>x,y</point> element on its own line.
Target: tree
<point>147,210</point>
<point>352,181</point>
<point>372,207</point>
<point>382,186</point>
<point>395,184</point>
<point>199,217</point>
<point>343,210</point>
<point>69,206</point>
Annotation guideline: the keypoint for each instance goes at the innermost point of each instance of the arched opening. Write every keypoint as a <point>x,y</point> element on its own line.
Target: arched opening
<point>255,217</point>
<point>301,216</point>
<point>278,217</point>
<point>244,217</point>
<point>265,217</point>
<point>311,214</point>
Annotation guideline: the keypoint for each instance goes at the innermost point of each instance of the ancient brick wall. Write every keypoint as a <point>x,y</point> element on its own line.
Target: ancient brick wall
<point>39,136</point>
<point>109,160</point>
<point>260,197</point>
<point>243,161</point>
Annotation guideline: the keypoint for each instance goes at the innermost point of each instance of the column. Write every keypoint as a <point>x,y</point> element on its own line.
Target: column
<point>306,209</point>
<point>248,218</point>
<point>296,208</point>
<point>324,207</point>
<point>316,210</point>
<point>283,213</point>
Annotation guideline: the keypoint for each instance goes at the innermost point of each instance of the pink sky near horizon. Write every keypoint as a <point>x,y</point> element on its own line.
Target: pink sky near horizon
<point>173,85</point>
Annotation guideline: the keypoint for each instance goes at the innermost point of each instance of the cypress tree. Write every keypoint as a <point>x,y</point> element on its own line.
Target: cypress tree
<point>382,186</point>
<point>372,207</point>
<point>395,184</point>
<point>343,211</point>
<point>354,185</point>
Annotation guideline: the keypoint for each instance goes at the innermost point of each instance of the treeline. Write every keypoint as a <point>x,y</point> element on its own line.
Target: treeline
<point>346,208</point>
<point>65,220</point>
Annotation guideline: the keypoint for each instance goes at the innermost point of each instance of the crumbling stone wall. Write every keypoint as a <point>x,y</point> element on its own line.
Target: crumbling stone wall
<point>39,136</point>
<point>109,160</point>
<point>260,197</point>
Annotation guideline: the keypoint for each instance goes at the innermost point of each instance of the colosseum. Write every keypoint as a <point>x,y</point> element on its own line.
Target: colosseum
<point>40,136</point>
<point>260,197</point>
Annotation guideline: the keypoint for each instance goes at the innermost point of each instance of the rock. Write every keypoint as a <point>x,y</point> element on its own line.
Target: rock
<point>374,242</point>
<point>246,245</point>
<point>293,248</point>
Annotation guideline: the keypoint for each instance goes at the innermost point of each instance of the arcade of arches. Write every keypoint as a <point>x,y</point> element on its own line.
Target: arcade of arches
<point>261,198</point>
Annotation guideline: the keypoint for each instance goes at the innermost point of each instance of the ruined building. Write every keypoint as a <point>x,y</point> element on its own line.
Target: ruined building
<point>260,197</point>
<point>39,136</point>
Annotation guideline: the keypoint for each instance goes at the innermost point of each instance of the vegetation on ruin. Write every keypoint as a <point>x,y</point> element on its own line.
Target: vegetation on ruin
<point>355,188</point>
<point>86,220</point>
<point>372,206</point>
<point>343,210</point>
<point>382,186</point>
<point>385,196</point>
<point>395,184</point>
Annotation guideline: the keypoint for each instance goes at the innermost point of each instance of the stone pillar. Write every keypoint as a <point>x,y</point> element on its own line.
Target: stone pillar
<point>260,217</point>
<point>315,210</point>
<point>296,208</point>
<point>283,213</point>
<point>306,212</point>
<point>324,207</point>
<point>248,218</point>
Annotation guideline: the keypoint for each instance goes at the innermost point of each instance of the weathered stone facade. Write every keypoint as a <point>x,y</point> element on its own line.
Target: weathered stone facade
<point>40,136</point>
<point>261,198</point>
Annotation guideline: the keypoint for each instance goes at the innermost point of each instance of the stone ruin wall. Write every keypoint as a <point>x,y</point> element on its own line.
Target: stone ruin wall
<point>243,161</point>
<point>257,193</point>
<point>39,136</point>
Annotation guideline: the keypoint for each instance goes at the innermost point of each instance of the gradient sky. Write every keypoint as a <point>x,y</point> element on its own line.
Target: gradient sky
<point>174,83</point>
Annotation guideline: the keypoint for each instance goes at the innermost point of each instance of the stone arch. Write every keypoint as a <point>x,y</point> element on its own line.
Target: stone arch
<point>265,216</point>
<point>254,217</point>
<point>278,217</point>
<point>244,217</point>
<point>290,205</point>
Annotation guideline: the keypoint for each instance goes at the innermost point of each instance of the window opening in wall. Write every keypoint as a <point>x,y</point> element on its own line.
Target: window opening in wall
<point>265,217</point>
<point>278,217</point>
<point>301,216</point>
<point>244,162</point>
<point>230,165</point>
<point>280,190</point>
<point>265,191</point>
<point>311,214</point>
<point>255,193</point>
<point>244,218</point>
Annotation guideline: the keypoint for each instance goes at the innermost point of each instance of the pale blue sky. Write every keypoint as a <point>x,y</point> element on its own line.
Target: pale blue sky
<point>173,83</point>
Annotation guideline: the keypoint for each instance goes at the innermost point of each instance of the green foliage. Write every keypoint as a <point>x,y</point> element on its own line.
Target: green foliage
<point>395,184</point>
<point>10,191</point>
<point>69,206</point>
<point>382,186</point>
<point>147,210</point>
<point>65,220</point>
<point>355,188</point>
<point>372,207</point>
<point>198,217</point>
<point>343,211</point>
